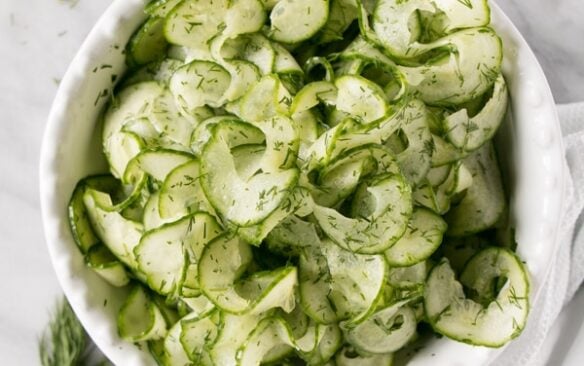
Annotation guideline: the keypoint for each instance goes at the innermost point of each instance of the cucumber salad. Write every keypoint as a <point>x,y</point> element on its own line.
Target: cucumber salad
<point>305,182</point>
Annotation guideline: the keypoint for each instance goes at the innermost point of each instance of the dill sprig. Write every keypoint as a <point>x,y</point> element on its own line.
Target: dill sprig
<point>64,341</point>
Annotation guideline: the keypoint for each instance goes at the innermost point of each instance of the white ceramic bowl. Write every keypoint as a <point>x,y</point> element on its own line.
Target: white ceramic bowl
<point>529,144</point>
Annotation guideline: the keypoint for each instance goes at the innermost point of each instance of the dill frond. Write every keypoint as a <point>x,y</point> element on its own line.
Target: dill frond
<point>64,341</point>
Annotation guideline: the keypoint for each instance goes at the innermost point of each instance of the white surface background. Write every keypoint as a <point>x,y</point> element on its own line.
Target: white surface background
<point>39,38</point>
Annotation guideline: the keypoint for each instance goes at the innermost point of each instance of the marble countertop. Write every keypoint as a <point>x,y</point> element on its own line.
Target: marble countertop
<point>40,37</point>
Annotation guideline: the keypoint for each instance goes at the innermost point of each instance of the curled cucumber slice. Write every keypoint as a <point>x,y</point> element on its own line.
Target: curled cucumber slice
<point>296,21</point>
<point>107,266</point>
<point>242,202</point>
<point>199,83</point>
<point>119,234</point>
<point>148,43</point>
<point>222,264</point>
<point>270,334</point>
<point>385,331</point>
<point>470,133</point>
<point>198,333</point>
<point>139,318</point>
<point>460,75</point>
<point>380,212</point>
<point>360,98</point>
<point>181,192</point>
<point>422,237</point>
<point>484,201</point>
<point>496,307</point>
<point>356,281</point>
<point>167,254</point>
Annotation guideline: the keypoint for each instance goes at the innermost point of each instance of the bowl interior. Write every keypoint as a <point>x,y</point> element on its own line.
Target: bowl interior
<point>529,147</point>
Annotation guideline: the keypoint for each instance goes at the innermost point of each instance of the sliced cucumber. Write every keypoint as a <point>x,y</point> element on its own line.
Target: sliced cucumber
<point>396,24</point>
<point>221,265</point>
<point>470,133</point>
<point>133,102</point>
<point>284,62</point>
<point>343,137</point>
<point>411,277</point>
<point>445,152</point>
<point>199,83</point>
<point>460,14</point>
<point>139,318</point>
<point>241,202</point>
<point>385,331</point>
<point>202,133</point>
<point>198,333</point>
<point>160,71</point>
<point>234,332</point>
<point>151,137</point>
<point>193,23</point>
<point>170,122</point>
<point>265,100</point>
<point>484,201</point>
<point>306,124</point>
<point>330,340</point>
<point>160,8</point>
<point>270,334</point>
<point>254,48</point>
<point>438,175</point>
<point>174,353</point>
<point>415,161</point>
<point>79,220</point>
<point>271,289</point>
<point>157,163</point>
<point>181,193</point>
<point>244,75</point>
<point>243,16</point>
<point>422,237</point>
<point>107,266</point>
<point>291,235</point>
<point>350,134</point>
<point>314,284</point>
<point>356,281</point>
<point>123,147</point>
<point>498,311</point>
<point>341,14</point>
<point>296,21</point>
<point>312,94</point>
<point>360,98</point>
<point>151,216</point>
<point>438,197</point>
<point>458,76</point>
<point>342,175</point>
<point>120,235</point>
<point>164,253</point>
<point>361,49</point>
<point>381,210</point>
<point>197,304</point>
<point>299,201</point>
<point>147,44</point>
